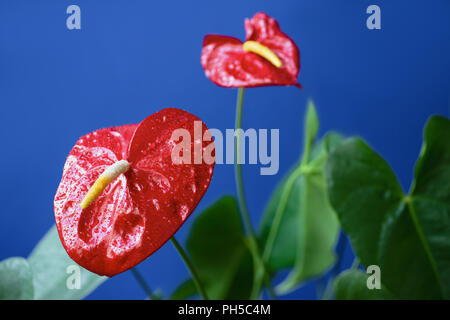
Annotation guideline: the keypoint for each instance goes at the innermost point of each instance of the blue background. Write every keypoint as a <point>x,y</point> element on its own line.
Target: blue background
<point>132,58</point>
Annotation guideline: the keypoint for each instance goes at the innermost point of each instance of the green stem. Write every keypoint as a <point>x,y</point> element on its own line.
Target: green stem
<point>140,279</point>
<point>238,168</point>
<point>260,268</point>
<point>191,268</point>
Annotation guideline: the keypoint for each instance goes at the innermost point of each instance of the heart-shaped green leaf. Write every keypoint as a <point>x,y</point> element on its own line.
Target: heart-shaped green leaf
<point>54,273</point>
<point>407,236</point>
<point>16,279</point>
<point>363,190</point>
<point>219,251</point>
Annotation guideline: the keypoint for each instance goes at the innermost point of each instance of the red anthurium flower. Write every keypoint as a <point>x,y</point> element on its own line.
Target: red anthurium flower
<point>122,196</point>
<point>267,58</point>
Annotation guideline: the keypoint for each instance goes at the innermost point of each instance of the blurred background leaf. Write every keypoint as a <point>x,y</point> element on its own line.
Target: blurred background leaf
<point>49,262</point>
<point>16,279</point>
<point>309,227</point>
<point>299,228</point>
<point>218,248</point>
<point>185,290</point>
<point>311,124</point>
<point>352,285</point>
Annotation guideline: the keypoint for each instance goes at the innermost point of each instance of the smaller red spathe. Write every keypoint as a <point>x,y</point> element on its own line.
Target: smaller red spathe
<point>227,64</point>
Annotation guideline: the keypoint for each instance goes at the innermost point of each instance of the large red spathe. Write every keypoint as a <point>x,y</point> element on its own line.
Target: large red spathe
<point>227,64</point>
<point>142,208</point>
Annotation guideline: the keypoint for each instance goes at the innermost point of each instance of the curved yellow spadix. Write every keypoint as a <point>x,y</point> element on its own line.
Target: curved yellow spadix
<point>111,173</point>
<point>263,51</point>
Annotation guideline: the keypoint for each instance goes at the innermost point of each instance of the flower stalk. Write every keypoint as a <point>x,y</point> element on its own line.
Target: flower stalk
<point>260,271</point>
<point>140,279</point>
<point>187,261</point>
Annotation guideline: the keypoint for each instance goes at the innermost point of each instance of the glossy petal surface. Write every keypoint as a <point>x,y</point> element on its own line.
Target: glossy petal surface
<point>227,64</point>
<point>141,209</point>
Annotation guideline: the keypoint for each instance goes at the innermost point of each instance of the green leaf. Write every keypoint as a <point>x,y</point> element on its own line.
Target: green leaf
<point>184,291</point>
<point>311,124</point>
<point>363,190</point>
<point>49,262</point>
<point>302,220</point>
<point>407,236</point>
<point>352,285</point>
<point>16,279</point>
<point>219,251</point>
